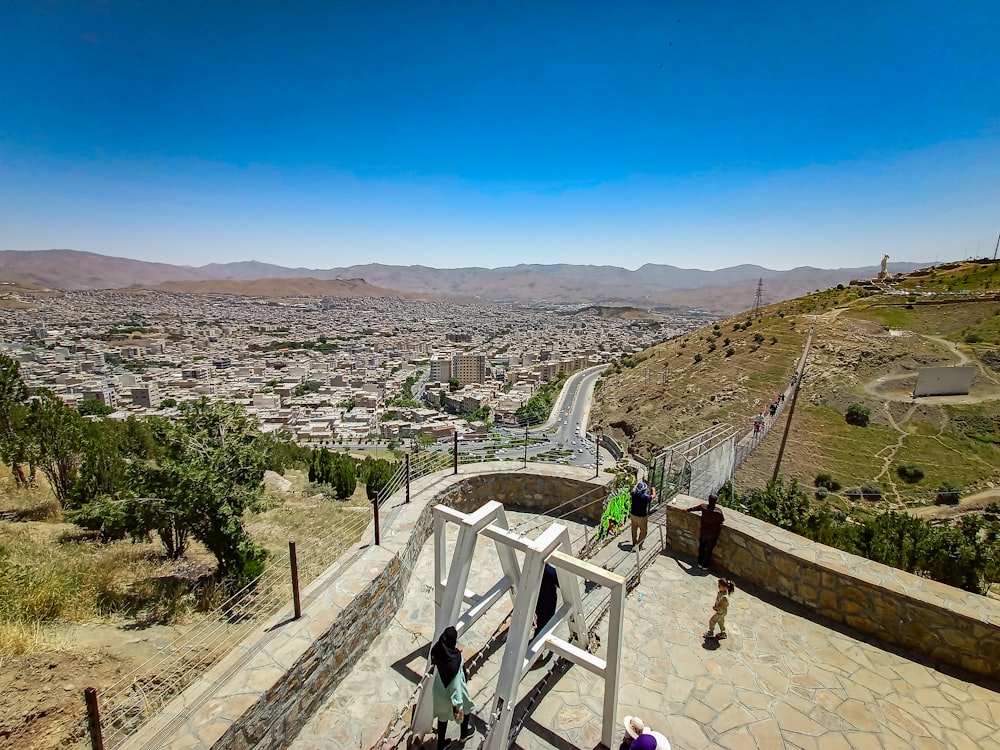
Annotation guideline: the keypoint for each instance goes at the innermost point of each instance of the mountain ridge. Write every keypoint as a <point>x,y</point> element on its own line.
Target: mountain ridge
<point>723,290</point>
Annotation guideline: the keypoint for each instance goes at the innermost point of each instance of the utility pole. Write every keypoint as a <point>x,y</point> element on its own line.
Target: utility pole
<point>795,396</point>
<point>597,451</point>
<point>525,442</point>
<point>996,248</point>
<point>757,298</point>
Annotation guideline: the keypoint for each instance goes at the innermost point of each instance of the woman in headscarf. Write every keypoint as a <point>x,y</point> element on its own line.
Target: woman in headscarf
<point>452,701</point>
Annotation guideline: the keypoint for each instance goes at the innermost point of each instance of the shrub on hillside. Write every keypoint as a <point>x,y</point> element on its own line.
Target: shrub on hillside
<point>871,491</point>
<point>730,352</point>
<point>910,473</point>
<point>858,415</point>
<point>826,481</point>
<point>948,494</point>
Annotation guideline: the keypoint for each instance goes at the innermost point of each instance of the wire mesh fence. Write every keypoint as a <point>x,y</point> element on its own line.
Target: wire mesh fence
<point>134,698</point>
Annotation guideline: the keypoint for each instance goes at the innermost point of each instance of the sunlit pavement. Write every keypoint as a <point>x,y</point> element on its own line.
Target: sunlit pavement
<point>783,678</point>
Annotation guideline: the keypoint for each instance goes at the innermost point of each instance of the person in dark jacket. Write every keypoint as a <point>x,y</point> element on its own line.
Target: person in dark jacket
<point>548,597</point>
<point>642,496</point>
<point>708,532</point>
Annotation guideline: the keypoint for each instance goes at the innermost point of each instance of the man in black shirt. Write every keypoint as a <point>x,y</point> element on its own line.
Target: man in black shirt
<point>709,528</point>
<point>642,496</point>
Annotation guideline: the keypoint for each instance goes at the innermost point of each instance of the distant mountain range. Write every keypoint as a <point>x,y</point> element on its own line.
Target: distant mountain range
<point>653,285</point>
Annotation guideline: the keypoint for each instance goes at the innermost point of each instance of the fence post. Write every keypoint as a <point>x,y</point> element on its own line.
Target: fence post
<point>293,560</point>
<point>454,452</point>
<point>407,477</point>
<point>378,534</point>
<point>94,719</point>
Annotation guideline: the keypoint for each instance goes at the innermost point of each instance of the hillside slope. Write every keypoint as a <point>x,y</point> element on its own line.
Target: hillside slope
<point>867,349</point>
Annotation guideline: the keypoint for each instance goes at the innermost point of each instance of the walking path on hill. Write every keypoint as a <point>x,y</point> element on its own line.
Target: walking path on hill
<point>783,678</point>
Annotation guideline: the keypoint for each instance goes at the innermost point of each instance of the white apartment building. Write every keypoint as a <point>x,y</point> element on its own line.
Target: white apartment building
<point>441,369</point>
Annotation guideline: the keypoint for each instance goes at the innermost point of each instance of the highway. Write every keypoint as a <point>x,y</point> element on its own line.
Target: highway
<point>561,439</point>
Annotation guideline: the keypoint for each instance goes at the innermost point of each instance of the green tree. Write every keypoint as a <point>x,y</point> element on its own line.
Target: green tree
<point>55,442</point>
<point>343,478</point>
<point>377,472</point>
<point>13,395</point>
<point>783,504</point>
<point>453,384</point>
<point>948,493</point>
<point>208,475</point>
<point>92,407</point>
<point>858,415</point>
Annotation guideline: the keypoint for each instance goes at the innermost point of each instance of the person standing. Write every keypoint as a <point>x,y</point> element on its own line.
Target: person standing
<point>545,607</point>
<point>709,528</point>
<point>641,497</point>
<point>634,727</point>
<point>452,701</point>
<point>720,608</point>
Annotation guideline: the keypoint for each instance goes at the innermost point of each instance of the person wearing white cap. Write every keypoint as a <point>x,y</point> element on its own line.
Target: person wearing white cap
<point>634,726</point>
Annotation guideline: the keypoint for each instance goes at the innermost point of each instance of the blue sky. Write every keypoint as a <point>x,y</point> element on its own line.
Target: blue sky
<point>321,134</point>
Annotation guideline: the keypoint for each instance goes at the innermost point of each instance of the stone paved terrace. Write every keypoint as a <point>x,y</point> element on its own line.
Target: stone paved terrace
<point>784,678</point>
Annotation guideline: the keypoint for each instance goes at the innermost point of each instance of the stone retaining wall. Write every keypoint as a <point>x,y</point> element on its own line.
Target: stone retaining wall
<point>948,625</point>
<point>263,693</point>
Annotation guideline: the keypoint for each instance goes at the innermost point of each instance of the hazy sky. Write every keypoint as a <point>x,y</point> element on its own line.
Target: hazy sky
<point>700,134</point>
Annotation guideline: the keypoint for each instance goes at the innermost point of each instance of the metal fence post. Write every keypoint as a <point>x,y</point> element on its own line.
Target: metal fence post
<point>407,477</point>
<point>454,452</point>
<point>94,719</point>
<point>378,533</point>
<point>293,560</point>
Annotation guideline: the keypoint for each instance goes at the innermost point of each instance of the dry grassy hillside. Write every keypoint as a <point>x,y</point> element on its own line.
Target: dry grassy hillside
<point>867,349</point>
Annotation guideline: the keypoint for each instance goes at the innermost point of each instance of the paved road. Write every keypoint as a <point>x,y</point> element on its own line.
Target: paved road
<point>562,438</point>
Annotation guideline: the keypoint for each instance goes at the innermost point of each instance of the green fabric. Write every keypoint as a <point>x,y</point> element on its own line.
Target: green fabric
<point>447,699</point>
<point>615,513</point>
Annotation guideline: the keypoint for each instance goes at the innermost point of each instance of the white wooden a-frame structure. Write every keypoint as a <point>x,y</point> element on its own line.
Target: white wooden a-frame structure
<point>521,650</point>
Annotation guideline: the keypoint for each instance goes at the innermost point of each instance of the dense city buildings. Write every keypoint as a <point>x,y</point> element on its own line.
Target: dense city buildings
<point>318,369</point>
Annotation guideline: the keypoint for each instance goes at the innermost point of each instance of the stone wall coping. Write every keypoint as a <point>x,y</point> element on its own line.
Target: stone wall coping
<point>859,569</point>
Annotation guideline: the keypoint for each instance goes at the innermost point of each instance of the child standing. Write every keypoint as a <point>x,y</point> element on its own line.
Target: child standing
<point>721,607</point>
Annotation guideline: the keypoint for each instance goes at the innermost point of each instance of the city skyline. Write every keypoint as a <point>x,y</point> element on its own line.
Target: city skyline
<point>325,135</point>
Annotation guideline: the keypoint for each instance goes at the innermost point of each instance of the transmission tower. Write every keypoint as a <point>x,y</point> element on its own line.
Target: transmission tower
<point>756,299</point>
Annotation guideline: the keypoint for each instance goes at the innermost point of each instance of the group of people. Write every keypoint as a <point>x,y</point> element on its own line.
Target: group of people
<point>708,534</point>
<point>772,411</point>
<point>452,701</point>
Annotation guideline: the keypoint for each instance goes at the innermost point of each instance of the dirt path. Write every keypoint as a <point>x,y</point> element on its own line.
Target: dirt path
<point>966,505</point>
<point>888,454</point>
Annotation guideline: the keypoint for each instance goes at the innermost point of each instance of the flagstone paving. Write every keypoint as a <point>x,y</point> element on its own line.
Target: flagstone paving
<point>782,679</point>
